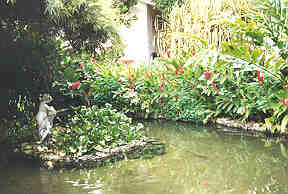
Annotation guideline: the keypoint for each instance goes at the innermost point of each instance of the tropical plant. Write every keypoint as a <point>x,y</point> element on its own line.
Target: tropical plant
<point>95,129</point>
<point>247,74</point>
<point>164,5</point>
<point>182,30</point>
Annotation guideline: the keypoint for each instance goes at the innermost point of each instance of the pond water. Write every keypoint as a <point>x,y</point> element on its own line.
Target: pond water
<point>198,160</point>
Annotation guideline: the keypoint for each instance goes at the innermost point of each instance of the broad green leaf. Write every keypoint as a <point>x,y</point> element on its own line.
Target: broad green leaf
<point>283,151</point>
<point>284,123</point>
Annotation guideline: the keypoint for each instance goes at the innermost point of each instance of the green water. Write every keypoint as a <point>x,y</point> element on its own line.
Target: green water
<point>198,160</point>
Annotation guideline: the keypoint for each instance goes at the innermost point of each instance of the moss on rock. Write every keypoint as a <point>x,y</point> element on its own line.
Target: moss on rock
<point>54,159</point>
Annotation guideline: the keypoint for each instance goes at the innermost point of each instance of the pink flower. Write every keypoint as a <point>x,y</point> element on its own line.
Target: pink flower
<point>81,65</point>
<point>97,71</point>
<point>207,75</point>
<point>75,85</point>
<point>89,78</point>
<point>160,89</point>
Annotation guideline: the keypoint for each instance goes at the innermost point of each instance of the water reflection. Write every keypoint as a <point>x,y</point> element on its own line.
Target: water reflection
<point>198,160</point>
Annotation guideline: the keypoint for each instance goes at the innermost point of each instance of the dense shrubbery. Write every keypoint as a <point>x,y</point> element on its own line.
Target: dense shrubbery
<point>245,78</point>
<point>163,90</point>
<point>95,129</point>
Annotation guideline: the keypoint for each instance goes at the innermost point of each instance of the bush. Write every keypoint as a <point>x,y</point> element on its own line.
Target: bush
<point>184,107</point>
<point>93,129</point>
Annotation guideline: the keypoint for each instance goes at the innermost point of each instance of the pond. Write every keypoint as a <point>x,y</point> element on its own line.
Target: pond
<point>198,160</point>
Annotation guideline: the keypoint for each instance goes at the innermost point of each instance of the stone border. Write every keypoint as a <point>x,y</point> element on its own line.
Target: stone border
<point>51,159</point>
<point>252,128</point>
<point>249,126</point>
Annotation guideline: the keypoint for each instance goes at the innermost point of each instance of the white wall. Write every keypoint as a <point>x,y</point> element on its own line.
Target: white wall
<point>137,38</point>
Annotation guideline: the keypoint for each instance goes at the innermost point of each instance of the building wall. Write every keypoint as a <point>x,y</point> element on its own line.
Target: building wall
<point>139,37</point>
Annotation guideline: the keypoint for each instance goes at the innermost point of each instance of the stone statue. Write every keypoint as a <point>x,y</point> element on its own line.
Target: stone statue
<point>45,116</point>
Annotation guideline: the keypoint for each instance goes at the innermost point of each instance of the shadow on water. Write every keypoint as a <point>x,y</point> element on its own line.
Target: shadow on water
<point>3,155</point>
<point>198,160</point>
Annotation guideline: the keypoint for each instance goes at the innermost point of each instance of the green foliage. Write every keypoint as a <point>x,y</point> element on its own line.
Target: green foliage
<point>85,24</point>
<point>181,29</point>
<point>124,6</point>
<point>166,4</point>
<point>247,75</point>
<point>26,71</point>
<point>21,126</point>
<point>184,107</point>
<point>95,129</point>
<point>274,22</point>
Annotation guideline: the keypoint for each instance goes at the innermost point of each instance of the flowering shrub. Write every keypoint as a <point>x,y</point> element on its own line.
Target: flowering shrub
<point>244,79</point>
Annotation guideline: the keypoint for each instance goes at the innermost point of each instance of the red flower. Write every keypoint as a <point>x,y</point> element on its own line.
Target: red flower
<point>168,54</point>
<point>193,85</point>
<point>75,85</point>
<point>284,88</point>
<point>89,78</point>
<point>181,69</point>
<point>81,65</point>
<point>132,86</point>
<point>284,101</point>
<point>92,59</point>
<point>147,75</point>
<point>160,89</point>
<point>101,61</point>
<point>260,78</point>
<point>207,75</point>
<point>120,80</point>
<point>214,86</point>
<point>224,101</point>
<point>176,71</point>
<point>167,67</point>
<point>151,74</point>
<point>127,62</point>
